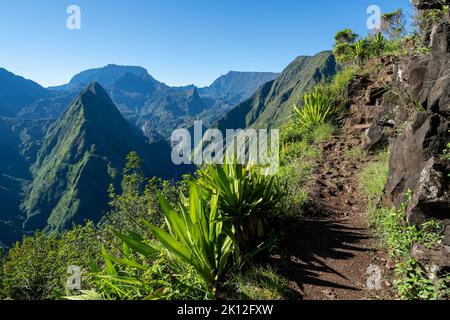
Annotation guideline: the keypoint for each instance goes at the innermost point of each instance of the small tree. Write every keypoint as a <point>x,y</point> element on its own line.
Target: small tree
<point>344,40</point>
<point>346,36</point>
<point>393,24</point>
<point>137,201</point>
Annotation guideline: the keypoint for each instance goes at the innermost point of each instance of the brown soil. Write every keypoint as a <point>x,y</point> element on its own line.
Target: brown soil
<point>327,254</point>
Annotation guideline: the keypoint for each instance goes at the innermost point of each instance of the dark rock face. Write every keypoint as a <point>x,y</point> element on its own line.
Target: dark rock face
<point>429,78</point>
<point>381,129</point>
<point>416,162</point>
<point>436,261</point>
<point>447,237</point>
<point>416,165</point>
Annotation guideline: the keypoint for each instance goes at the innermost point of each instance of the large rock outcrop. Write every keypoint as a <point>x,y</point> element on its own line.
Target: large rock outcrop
<point>416,164</point>
<point>417,161</point>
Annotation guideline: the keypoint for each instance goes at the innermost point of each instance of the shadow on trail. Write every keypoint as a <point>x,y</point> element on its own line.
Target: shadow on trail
<point>306,244</point>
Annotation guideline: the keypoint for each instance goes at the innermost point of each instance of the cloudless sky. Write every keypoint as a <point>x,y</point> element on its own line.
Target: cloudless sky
<point>179,42</point>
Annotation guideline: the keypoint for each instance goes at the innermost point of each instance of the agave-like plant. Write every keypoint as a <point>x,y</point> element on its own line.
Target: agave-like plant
<point>245,196</point>
<point>360,51</point>
<point>378,43</point>
<point>197,236</point>
<point>318,108</point>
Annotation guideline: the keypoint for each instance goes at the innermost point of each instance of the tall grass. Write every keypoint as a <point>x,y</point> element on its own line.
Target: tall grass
<point>260,283</point>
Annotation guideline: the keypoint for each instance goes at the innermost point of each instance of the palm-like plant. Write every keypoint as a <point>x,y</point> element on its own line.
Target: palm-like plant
<point>378,43</point>
<point>318,107</point>
<point>359,51</point>
<point>246,196</point>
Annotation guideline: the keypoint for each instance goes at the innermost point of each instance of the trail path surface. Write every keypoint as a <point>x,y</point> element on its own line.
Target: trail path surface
<point>333,254</point>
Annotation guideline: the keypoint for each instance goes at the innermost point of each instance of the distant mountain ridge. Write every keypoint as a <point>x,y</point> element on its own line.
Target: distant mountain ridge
<point>105,76</point>
<point>154,107</point>
<point>271,105</point>
<point>81,155</point>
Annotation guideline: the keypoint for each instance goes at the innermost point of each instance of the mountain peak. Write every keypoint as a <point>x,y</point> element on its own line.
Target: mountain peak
<point>105,76</point>
<point>95,104</point>
<point>95,88</point>
<point>85,151</point>
<point>16,92</point>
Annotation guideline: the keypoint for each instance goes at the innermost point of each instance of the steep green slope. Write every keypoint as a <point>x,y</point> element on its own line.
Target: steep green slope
<point>19,143</point>
<point>17,92</point>
<point>235,87</point>
<point>82,154</point>
<point>272,104</point>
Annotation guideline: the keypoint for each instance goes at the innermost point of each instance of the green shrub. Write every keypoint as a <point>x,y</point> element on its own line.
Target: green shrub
<point>356,155</point>
<point>360,51</point>
<point>37,268</point>
<point>299,156</point>
<point>292,179</point>
<point>433,16</point>
<point>343,47</point>
<point>322,133</point>
<point>145,270</point>
<point>294,132</point>
<point>446,154</point>
<point>413,283</point>
<point>137,200</point>
<point>393,24</point>
<point>342,80</point>
<point>299,150</point>
<point>377,44</point>
<point>186,262</point>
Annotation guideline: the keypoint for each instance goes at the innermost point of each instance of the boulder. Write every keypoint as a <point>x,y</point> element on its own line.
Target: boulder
<point>431,198</point>
<point>435,261</point>
<point>377,136</point>
<point>416,161</point>
<point>388,122</point>
<point>447,236</point>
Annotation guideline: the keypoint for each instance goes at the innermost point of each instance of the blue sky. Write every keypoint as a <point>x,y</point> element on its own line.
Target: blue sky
<point>180,42</point>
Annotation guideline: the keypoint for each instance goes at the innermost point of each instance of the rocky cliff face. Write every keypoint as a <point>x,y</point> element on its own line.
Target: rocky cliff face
<point>406,104</point>
<point>417,161</point>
